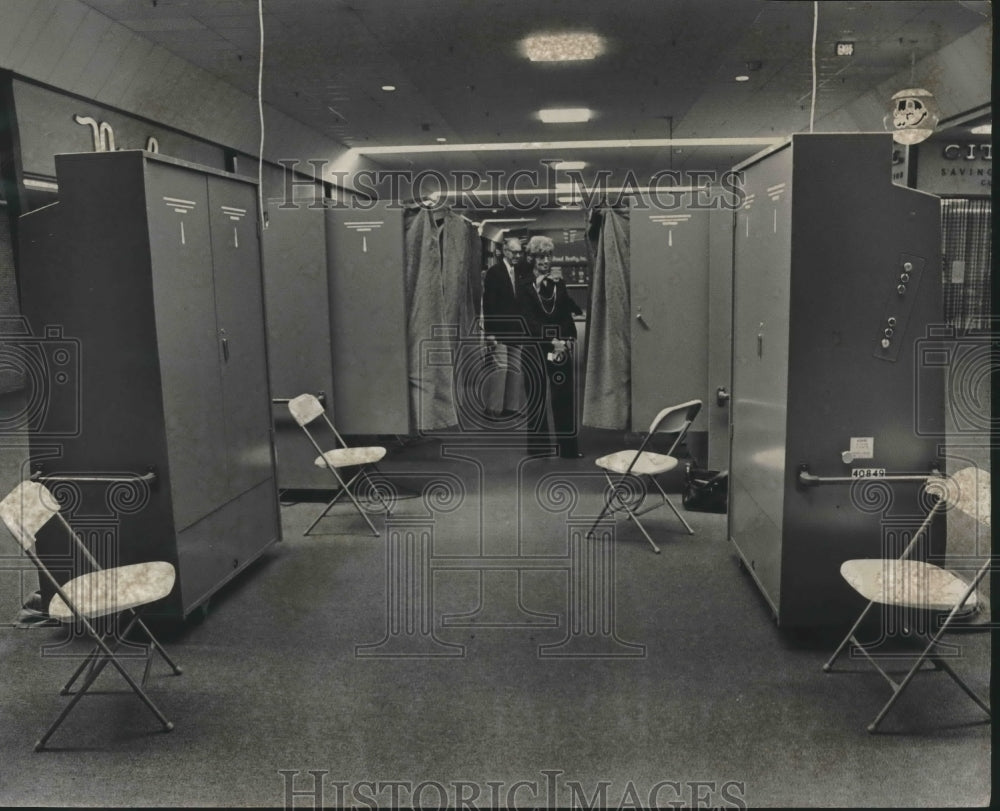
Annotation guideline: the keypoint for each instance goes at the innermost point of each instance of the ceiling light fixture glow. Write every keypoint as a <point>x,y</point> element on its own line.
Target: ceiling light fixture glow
<point>742,78</point>
<point>565,115</point>
<point>566,166</point>
<point>562,47</point>
<point>982,129</point>
<point>388,88</point>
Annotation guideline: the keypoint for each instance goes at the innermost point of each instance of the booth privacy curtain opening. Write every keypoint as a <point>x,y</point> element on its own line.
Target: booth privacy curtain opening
<point>441,260</point>
<point>607,390</point>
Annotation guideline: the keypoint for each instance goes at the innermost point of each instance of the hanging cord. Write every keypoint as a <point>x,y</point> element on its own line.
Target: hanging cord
<point>260,113</point>
<point>812,103</point>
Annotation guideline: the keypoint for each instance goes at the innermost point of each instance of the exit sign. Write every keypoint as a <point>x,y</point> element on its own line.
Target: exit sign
<point>845,49</point>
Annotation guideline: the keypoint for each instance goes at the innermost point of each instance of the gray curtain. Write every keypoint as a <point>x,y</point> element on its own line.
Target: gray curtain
<point>607,397</point>
<point>441,269</point>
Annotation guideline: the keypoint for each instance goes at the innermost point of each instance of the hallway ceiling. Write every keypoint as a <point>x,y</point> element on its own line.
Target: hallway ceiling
<point>668,70</point>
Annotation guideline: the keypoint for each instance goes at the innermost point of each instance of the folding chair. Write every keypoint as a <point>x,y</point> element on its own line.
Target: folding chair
<point>638,466</point>
<point>110,592</point>
<point>305,409</point>
<point>918,586</point>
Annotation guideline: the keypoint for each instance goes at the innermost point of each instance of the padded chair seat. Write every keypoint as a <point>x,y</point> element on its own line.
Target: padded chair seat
<point>911,583</point>
<point>109,591</point>
<point>348,457</point>
<point>648,463</point>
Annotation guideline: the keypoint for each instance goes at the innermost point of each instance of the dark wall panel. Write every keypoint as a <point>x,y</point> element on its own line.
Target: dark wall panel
<point>368,320</point>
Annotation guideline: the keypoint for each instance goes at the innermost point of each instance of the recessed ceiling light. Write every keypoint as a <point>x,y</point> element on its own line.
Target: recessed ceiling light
<point>982,129</point>
<point>441,139</point>
<point>565,166</point>
<point>388,88</point>
<point>742,78</point>
<point>565,115</point>
<point>562,47</point>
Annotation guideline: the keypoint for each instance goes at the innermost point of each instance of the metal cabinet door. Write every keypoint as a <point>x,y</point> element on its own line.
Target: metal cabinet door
<point>371,385</point>
<point>669,295</point>
<point>298,332</point>
<point>761,294</point>
<point>720,334</point>
<point>246,399</point>
<point>183,291</point>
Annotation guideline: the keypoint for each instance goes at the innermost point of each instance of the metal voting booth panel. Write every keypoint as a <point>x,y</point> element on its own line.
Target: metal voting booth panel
<point>159,423</point>
<point>836,286</point>
<point>668,286</point>
<point>680,277</point>
<point>298,332</point>
<point>336,322</point>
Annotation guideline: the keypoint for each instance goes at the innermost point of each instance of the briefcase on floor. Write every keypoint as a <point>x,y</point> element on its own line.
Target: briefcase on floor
<point>706,490</point>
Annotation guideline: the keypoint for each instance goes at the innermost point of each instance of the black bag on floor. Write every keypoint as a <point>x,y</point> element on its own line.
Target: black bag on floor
<point>706,490</point>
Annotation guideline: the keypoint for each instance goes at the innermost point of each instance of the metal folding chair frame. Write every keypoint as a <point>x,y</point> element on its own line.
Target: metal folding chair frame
<point>929,651</point>
<point>618,492</point>
<point>101,654</point>
<point>345,487</point>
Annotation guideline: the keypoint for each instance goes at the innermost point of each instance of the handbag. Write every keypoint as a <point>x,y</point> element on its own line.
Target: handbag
<point>705,490</point>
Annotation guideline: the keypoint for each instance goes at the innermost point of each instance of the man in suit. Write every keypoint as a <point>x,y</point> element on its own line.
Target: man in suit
<point>505,327</point>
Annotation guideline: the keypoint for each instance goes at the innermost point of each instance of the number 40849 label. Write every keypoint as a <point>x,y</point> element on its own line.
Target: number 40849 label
<point>867,472</point>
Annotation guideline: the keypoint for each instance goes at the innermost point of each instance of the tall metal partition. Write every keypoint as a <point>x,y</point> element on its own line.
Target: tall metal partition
<point>298,332</point>
<point>336,320</point>
<point>669,296</point>
<point>368,319</point>
<point>146,279</point>
<point>836,285</point>
<point>720,333</point>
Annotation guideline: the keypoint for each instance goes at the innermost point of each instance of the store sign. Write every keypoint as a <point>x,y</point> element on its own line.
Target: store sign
<point>51,123</point>
<point>968,152</point>
<point>104,135</point>
<point>956,167</point>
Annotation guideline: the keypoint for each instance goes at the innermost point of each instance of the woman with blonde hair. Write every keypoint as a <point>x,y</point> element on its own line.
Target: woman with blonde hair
<point>550,309</point>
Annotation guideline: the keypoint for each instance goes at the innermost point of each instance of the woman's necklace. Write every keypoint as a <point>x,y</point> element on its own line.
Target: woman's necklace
<point>551,300</point>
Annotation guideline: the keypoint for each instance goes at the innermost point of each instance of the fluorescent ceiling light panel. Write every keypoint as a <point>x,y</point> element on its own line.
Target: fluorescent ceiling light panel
<point>562,47</point>
<point>982,129</point>
<point>566,166</point>
<point>565,115</point>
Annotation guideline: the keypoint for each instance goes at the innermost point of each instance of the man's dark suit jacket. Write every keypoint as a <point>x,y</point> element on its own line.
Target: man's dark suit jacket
<point>503,315</point>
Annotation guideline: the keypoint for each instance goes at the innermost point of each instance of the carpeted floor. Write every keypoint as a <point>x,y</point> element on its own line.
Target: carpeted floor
<point>480,652</point>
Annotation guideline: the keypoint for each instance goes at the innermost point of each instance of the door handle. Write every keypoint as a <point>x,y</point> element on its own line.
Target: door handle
<point>721,395</point>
